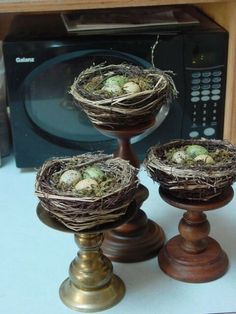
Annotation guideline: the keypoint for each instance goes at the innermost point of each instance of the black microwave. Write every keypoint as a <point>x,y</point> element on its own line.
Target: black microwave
<point>42,59</point>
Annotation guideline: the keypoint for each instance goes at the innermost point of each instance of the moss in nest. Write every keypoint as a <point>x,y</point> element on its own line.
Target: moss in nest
<point>222,155</point>
<point>94,83</point>
<point>218,156</point>
<point>144,82</point>
<point>113,85</point>
<point>104,182</point>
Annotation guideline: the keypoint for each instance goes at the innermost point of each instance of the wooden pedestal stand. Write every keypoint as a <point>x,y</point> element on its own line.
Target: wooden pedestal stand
<point>141,238</point>
<point>192,256</point>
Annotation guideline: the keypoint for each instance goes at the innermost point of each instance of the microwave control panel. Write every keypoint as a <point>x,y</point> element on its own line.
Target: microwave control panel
<point>205,82</point>
<point>205,102</point>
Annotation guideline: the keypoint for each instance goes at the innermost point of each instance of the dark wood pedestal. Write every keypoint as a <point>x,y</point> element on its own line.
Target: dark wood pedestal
<point>141,238</point>
<point>192,256</point>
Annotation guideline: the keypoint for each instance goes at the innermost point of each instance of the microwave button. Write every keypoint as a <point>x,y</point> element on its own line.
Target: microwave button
<point>205,98</point>
<point>206,86</point>
<point>195,93</point>
<point>216,79</point>
<point>206,80</point>
<point>196,81</point>
<point>216,86</point>
<point>196,74</point>
<point>209,131</point>
<point>194,134</point>
<point>195,87</point>
<point>206,74</point>
<point>215,97</point>
<point>205,92</point>
<point>215,91</point>
<point>195,99</point>
<point>217,73</point>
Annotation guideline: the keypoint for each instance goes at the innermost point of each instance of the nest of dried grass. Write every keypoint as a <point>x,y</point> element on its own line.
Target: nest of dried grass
<point>156,89</point>
<point>194,181</point>
<point>78,212</point>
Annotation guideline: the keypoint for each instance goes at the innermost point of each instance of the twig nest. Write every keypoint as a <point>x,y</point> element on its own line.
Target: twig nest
<point>122,95</point>
<point>86,190</point>
<point>193,169</point>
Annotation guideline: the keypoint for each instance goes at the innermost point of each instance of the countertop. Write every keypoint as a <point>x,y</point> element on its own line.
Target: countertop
<point>35,259</point>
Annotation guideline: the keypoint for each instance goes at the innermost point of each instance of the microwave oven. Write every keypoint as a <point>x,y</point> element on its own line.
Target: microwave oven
<point>42,59</point>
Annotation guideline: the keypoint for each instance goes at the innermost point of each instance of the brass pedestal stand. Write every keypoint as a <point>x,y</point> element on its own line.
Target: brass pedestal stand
<point>91,285</point>
<point>141,238</point>
<point>192,256</point>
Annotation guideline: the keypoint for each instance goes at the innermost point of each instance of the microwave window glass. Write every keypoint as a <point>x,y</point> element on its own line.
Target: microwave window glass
<point>52,109</point>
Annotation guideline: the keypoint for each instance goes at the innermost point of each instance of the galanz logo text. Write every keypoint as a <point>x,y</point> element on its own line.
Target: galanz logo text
<point>24,60</point>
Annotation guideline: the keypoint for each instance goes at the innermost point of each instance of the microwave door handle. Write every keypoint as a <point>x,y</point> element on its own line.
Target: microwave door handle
<point>160,117</point>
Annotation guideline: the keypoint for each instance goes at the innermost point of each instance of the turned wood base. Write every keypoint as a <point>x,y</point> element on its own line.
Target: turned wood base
<point>137,240</point>
<point>141,238</point>
<point>205,266</point>
<point>130,247</point>
<point>193,256</point>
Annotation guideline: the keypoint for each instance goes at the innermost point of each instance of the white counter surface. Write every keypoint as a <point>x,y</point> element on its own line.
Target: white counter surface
<point>35,259</point>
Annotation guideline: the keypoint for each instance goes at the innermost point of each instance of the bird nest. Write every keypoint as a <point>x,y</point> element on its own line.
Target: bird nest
<point>122,95</point>
<point>193,169</point>
<point>87,206</point>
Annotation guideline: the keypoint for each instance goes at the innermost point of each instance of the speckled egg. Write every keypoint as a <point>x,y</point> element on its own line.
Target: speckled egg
<point>179,157</point>
<point>86,184</point>
<point>70,177</point>
<point>205,158</point>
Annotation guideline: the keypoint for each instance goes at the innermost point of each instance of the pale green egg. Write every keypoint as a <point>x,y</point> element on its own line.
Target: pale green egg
<point>112,89</point>
<point>93,172</point>
<point>119,80</point>
<point>194,150</point>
